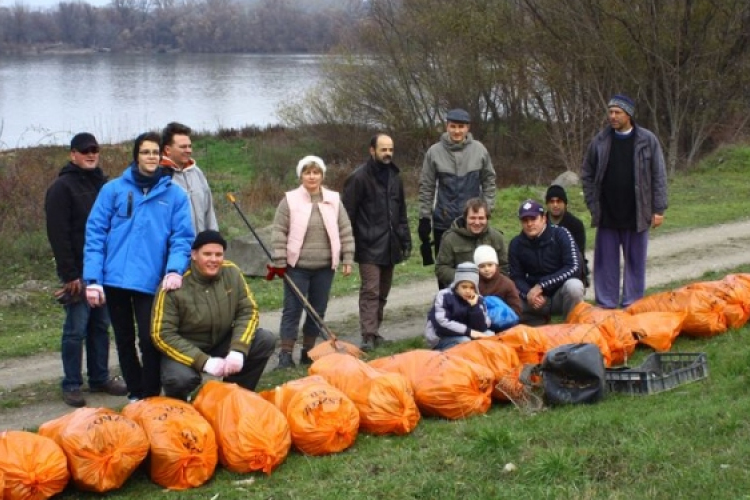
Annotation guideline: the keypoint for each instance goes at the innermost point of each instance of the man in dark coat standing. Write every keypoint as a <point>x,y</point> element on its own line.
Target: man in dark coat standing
<point>67,204</point>
<point>374,199</point>
<point>625,184</point>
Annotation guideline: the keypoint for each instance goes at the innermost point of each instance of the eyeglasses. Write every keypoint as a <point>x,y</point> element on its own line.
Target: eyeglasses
<point>90,151</point>
<point>149,152</point>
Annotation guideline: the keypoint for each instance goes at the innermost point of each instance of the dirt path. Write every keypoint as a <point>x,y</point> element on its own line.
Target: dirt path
<point>672,257</point>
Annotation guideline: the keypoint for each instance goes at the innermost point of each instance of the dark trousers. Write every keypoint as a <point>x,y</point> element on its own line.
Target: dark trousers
<point>634,246</point>
<point>315,285</point>
<point>180,380</point>
<point>438,235</point>
<point>85,327</point>
<point>128,309</point>
<point>373,295</point>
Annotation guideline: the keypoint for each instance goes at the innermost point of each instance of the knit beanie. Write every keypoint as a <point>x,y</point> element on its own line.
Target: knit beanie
<point>466,271</point>
<point>484,254</point>
<point>556,191</point>
<point>307,160</point>
<point>209,236</point>
<point>623,102</point>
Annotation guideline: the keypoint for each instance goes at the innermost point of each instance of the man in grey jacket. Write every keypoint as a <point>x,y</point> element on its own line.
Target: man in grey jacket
<point>455,169</point>
<point>177,161</point>
<point>625,185</point>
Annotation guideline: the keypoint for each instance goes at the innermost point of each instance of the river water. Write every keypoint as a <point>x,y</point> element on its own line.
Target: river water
<point>45,99</point>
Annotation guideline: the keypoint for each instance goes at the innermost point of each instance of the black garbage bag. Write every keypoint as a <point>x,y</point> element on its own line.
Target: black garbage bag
<point>573,374</point>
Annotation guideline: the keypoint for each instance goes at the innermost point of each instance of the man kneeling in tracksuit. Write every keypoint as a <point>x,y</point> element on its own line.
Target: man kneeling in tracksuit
<point>210,324</point>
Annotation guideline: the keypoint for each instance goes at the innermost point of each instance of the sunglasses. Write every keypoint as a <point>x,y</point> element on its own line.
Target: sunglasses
<point>91,150</point>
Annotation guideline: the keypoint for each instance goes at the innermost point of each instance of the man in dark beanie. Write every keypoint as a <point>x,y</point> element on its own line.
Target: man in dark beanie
<point>625,185</point>
<point>210,324</point>
<point>558,214</point>
<point>68,204</point>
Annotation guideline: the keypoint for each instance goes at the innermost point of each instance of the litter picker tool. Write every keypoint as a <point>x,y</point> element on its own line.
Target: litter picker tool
<point>332,343</point>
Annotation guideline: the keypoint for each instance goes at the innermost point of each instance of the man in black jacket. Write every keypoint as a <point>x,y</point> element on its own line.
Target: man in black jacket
<point>374,199</point>
<point>558,214</point>
<point>545,264</point>
<point>67,204</point>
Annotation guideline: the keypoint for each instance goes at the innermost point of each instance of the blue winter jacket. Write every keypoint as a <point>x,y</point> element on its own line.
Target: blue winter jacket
<point>452,316</point>
<point>134,239</point>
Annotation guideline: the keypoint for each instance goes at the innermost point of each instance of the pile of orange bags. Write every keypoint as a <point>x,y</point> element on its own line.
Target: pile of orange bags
<point>704,312</point>
<point>384,400</point>
<point>530,345</point>
<point>613,324</point>
<point>444,385</point>
<point>32,467</point>
<point>253,434</point>
<point>502,361</point>
<point>102,446</point>
<point>321,418</point>
<point>734,290</point>
<point>183,444</point>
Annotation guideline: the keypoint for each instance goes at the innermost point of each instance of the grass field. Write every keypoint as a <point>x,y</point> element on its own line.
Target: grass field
<point>688,443</point>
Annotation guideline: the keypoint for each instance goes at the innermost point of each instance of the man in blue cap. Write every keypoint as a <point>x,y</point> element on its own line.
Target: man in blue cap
<point>625,185</point>
<point>455,169</point>
<point>546,266</point>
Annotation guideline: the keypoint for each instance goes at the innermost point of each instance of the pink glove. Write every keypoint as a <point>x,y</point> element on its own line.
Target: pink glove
<point>95,295</point>
<point>234,362</point>
<point>215,367</point>
<point>172,281</point>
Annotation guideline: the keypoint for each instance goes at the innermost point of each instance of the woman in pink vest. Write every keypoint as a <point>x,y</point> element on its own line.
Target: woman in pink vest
<point>311,235</point>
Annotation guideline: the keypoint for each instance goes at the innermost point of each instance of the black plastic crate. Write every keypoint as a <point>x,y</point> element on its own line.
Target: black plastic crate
<point>660,372</point>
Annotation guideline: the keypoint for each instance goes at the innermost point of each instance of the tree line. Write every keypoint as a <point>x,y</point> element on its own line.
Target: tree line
<point>536,74</point>
<point>266,26</point>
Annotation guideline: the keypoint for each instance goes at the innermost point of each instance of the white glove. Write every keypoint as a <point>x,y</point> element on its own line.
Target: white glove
<point>95,295</point>
<point>234,362</point>
<point>172,281</point>
<point>215,367</point>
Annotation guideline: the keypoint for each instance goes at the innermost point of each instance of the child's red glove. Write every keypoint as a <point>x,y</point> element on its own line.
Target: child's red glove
<point>275,271</point>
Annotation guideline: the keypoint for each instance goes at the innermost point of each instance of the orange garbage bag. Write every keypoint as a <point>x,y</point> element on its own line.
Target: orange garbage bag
<point>560,334</point>
<point>253,434</point>
<point>613,324</point>
<point>704,312</point>
<point>500,358</point>
<point>657,329</point>
<point>32,467</point>
<point>444,385</point>
<point>529,344</point>
<point>735,291</point>
<point>183,444</point>
<point>102,446</point>
<point>321,418</point>
<point>385,401</point>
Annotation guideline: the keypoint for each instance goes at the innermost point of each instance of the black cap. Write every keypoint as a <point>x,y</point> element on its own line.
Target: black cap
<point>458,115</point>
<point>556,191</point>
<point>209,236</point>
<point>83,141</point>
<point>530,208</point>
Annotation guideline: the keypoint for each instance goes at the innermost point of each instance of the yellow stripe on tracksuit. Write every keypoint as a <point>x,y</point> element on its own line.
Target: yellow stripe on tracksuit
<point>156,323</point>
<point>252,324</point>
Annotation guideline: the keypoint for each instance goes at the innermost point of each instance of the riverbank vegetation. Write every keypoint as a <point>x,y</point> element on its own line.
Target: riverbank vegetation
<point>203,26</point>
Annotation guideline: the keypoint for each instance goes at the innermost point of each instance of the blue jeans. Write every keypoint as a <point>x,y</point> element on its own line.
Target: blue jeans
<point>447,342</point>
<point>87,326</point>
<point>315,285</point>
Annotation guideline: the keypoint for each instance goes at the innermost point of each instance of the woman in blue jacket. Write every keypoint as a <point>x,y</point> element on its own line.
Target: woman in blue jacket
<point>138,236</point>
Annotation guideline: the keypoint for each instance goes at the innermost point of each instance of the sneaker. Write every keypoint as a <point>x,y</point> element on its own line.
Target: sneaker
<point>285,361</point>
<point>74,398</point>
<point>304,359</point>
<point>113,387</point>
<point>367,344</point>
<point>133,399</point>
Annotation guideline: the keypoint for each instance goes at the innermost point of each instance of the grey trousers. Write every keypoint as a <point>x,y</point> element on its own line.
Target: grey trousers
<point>179,380</point>
<point>562,302</point>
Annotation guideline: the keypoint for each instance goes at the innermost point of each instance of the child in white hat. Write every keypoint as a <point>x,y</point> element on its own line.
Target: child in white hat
<point>493,283</point>
<point>458,314</point>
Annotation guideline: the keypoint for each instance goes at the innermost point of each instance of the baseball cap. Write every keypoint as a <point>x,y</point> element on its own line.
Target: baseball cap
<point>530,208</point>
<point>83,141</point>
